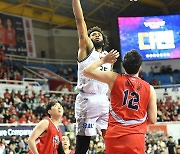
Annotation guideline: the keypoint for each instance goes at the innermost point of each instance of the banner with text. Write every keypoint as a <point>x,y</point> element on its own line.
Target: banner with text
<point>7,132</point>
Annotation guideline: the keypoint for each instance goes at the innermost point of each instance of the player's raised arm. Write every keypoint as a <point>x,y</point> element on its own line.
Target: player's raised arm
<point>85,44</point>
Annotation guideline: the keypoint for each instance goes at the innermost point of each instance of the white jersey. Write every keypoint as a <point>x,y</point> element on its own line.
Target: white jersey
<point>88,85</point>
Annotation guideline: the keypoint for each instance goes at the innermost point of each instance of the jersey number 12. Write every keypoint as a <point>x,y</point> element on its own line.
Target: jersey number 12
<point>132,101</point>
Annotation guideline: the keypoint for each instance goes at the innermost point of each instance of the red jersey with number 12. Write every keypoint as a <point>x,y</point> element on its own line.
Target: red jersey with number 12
<point>128,110</point>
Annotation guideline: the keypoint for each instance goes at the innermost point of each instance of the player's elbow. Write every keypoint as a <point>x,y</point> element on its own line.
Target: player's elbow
<point>152,120</point>
<point>29,141</point>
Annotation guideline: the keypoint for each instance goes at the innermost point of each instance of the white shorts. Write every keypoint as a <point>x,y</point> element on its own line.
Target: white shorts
<point>91,112</point>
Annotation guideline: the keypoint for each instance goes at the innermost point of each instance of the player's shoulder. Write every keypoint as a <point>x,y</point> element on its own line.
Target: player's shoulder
<point>45,121</point>
<point>92,56</point>
<point>43,124</point>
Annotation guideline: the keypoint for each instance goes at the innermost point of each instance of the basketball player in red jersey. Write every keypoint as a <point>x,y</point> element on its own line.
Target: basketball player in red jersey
<point>133,104</point>
<point>46,136</point>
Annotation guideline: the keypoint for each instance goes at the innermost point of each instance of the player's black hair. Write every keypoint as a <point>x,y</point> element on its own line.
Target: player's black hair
<point>50,104</point>
<point>132,61</point>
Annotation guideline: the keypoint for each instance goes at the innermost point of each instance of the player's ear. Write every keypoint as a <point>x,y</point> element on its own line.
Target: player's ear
<point>49,112</point>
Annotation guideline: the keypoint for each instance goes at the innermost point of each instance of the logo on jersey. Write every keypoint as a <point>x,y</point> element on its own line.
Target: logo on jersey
<point>56,141</point>
<point>87,125</point>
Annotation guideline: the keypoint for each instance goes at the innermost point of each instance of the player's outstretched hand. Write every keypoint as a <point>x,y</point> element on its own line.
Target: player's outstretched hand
<point>111,57</point>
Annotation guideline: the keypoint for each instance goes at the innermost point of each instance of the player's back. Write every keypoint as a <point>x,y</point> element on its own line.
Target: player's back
<point>129,101</point>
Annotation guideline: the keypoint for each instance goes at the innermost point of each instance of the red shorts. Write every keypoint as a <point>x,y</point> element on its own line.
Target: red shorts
<point>128,144</point>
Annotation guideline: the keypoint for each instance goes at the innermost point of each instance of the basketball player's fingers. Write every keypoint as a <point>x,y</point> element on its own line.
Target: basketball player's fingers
<point>112,50</point>
<point>113,61</point>
<point>110,58</point>
<point>116,53</point>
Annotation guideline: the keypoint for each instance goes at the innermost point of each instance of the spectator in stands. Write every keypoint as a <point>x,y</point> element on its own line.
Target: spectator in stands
<point>2,146</point>
<point>178,150</point>
<point>92,147</point>
<point>41,95</point>
<point>141,75</point>
<point>165,92</point>
<point>1,110</point>
<point>34,119</point>
<point>6,116</point>
<point>11,149</point>
<point>17,75</point>
<point>22,142</point>
<point>178,80</point>
<point>40,110</point>
<point>13,119</point>
<point>45,87</point>
<point>7,95</point>
<point>171,145</point>
<point>161,142</point>
<point>22,119</point>
<point>65,89</point>
<point>66,145</point>
<point>154,82</point>
<point>13,140</point>
<point>163,69</point>
<point>169,69</point>
<point>100,147</point>
<point>16,100</point>
<point>19,94</point>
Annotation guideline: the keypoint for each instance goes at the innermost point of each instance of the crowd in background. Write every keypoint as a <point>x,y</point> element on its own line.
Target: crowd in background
<point>156,143</point>
<point>28,106</point>
<point>10,72</point>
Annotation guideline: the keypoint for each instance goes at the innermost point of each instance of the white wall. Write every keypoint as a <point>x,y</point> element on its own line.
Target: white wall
<point>59,44</point>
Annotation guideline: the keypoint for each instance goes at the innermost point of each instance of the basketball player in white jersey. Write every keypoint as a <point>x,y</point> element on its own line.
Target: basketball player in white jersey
<point>92,103</point>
